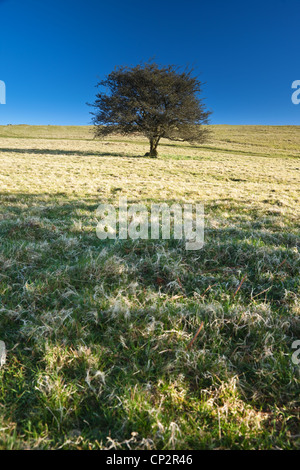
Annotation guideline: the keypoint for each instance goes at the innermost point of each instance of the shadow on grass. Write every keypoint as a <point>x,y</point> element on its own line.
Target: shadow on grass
<point>256,248</point>
<point>44,284</point>
<point>61,152</point>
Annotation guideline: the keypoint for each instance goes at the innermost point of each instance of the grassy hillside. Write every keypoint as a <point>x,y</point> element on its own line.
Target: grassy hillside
<point>97,331</point>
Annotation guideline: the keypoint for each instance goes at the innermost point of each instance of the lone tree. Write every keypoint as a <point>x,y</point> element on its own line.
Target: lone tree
<point>154,101</point>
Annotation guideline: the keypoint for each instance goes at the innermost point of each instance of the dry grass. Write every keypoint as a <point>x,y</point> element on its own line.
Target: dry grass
<point>97,332</point>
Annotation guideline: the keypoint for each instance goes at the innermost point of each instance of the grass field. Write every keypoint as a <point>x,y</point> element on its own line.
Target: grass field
<point>97,331</point>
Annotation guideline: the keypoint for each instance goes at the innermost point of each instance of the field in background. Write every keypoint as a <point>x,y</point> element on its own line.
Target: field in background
<point>97,331</point>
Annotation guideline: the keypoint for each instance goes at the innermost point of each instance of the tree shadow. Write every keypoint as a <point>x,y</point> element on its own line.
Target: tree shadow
<point>62,152</point>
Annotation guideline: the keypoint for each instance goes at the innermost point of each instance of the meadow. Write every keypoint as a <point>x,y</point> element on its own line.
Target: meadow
<point>97,331</point>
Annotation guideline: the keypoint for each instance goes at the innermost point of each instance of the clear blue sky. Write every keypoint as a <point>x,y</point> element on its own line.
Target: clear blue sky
<point>53,53</point>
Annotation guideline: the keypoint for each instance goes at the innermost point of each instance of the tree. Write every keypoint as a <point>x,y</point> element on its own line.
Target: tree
<point>158,102</point>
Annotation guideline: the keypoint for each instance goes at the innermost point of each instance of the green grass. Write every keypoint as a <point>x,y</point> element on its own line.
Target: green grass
<point>97,331</point>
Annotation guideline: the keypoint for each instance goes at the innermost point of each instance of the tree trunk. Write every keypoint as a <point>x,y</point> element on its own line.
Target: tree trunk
<point>153,148</point>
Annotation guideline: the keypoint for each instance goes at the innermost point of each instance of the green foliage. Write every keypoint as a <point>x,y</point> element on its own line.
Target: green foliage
<point>158,102</point>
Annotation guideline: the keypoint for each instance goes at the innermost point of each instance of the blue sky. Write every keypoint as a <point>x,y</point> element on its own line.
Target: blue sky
<point>53,53</point>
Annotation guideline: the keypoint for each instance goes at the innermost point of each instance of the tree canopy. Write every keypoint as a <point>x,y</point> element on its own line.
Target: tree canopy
<point>156,101</point>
